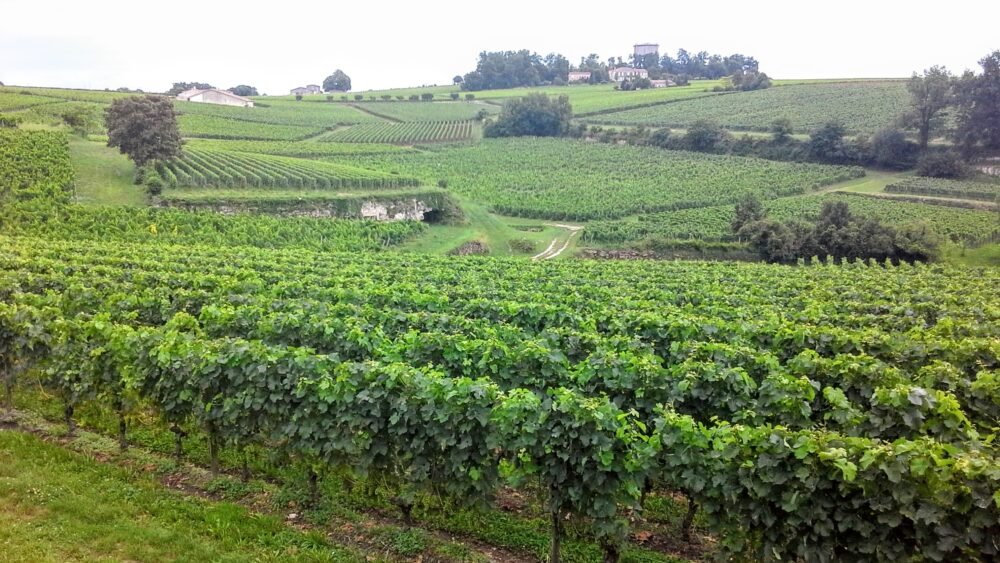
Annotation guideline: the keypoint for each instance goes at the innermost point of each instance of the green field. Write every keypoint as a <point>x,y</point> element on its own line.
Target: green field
<point>406,133</point>
<point>213,127</point>
<point>97,96</point>
<point>575,180</point>
<point>712,223</point>
<point>34,165</point>
<point>863,107</point>
<point>281,113</point>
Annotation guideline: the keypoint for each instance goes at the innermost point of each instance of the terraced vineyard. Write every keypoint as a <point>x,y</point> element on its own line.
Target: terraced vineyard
<point>938,187</point>
<point>831,412</point>
<point>214,168</point>
<point>712,223</point>
<point>425,111</point>
<point>313,116</point>
<point>14,101</point>
<point>863,107</point>
<point>97,96</point>
<point>215,127</point>
<point>406,133</point>
<point>34,164</point>
<point>575,180</point>
<point>301,149</point>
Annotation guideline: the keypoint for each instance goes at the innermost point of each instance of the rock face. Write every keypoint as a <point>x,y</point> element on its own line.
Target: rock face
<point>471,248</point>
<point>411,210</point>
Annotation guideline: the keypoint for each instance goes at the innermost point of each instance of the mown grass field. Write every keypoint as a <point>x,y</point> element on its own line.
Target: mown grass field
<point>56,506</point>
<point>863,107</point>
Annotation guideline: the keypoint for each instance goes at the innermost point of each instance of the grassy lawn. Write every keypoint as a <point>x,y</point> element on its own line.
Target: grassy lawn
<point>103,175</point>
<point>874,181</point>
<point>56,505</point>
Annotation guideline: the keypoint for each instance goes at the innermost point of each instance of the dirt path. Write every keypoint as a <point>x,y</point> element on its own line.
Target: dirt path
<point>376,114</point>
<point>555,249</point>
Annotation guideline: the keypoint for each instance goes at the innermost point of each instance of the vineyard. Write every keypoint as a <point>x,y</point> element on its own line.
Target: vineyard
<point>822,413</point>
<point>34,164</point>
<point>961,189</point>
<point>314,116</point>
<point>15,101</point>
<point>862,107</point>
<point>171,226</point>
<point>213,168</point>
<point>297,203</point>
<point>405,133</point>
<point>54,94</point>
<point>561,179</point>
<point>300,149</point>
<point>215,127</point>
<point>712,223</point>
<point>423,111</point>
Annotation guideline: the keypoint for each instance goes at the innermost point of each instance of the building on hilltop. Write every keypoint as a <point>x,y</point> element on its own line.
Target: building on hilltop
<point>306,90</point>
<point>214,96</point>
<point>627,73</point>
<point>578,76</point>
<point>643,49</point>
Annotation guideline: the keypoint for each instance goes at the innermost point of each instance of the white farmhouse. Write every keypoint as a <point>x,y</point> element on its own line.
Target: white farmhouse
<point>213,96</point>
<point>627,73</point>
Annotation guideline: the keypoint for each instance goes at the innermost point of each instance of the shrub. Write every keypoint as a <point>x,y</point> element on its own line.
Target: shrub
<point>8,121</point>
<point>470,97</point>
<point>358,97</point>
<point>941,164</point>
<point>386,97</point>
<point>454,95</point>
<point>442,183</point>
<point>329,97</point>
<point>427,97</point>
<point>890,149</point>
<point>298,97</point>
<point>414,97</point>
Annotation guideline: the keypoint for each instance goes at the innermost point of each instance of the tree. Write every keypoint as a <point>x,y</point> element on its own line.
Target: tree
<point>457,80</point>
<point>890,149</point>
<point>244,90</point>
<point>179,87</point>
<point>535,115</point>
<point>826,144</point>
<point>337,82</point>
<point>704,136</point>
<point>81,119</point>
<point>941,164</point>
<point>930,94</point>
<point>978,107</point>
<point>748,210</point>
<point>144,128</point>
<point>781,130</point>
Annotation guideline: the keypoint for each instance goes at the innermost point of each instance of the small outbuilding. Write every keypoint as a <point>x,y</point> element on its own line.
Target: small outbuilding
<point>214,96</point>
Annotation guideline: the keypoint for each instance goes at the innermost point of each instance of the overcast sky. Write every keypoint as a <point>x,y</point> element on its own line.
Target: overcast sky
<point>277,45</point>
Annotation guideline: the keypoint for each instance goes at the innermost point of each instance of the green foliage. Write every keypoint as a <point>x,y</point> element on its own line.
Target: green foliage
<point>144,128</point>
<point>438,111</point>
<point>244,90</point>
<point>179,87</point>
<point>535,115</point>
<point>10,121</point>
<point>978,107</point>
<point>337,82</point>
<point>941,164</point>
<point>34,164</point>
<point>300,149</point>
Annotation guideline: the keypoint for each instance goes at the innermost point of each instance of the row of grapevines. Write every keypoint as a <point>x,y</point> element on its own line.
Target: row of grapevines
<point>280,113</point>
<point>877,354</point>
<point>34,164</point>
<point>198,167</point>
<point>405,133</point>
<point>712,223</point>
<point>961,189</point>
<point>301,149</point>
<point>215,127</point>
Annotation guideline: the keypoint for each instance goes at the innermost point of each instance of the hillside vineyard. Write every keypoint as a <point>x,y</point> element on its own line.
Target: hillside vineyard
<point>862,395</point>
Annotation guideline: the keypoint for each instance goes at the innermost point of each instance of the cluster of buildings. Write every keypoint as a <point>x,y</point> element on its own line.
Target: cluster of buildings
<point>621,73</point>
<point>306,90</point>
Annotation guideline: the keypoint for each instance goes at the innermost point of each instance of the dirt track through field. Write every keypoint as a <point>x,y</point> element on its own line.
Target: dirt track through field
<point>554,249</point>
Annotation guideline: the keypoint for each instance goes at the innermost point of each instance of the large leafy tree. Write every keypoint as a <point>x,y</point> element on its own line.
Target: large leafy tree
<point>337,82</point>
<point>534,115</point>
<point>930,94</point>
<point>978,100</point>
<point>244,90</point>
<point>179,87</point>
<point>144,128</point>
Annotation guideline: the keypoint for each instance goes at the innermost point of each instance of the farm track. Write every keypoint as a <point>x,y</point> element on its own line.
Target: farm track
<point>553,250</point>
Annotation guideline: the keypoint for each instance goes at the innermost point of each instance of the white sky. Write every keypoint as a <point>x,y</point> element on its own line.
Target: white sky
<point>279,44</point>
